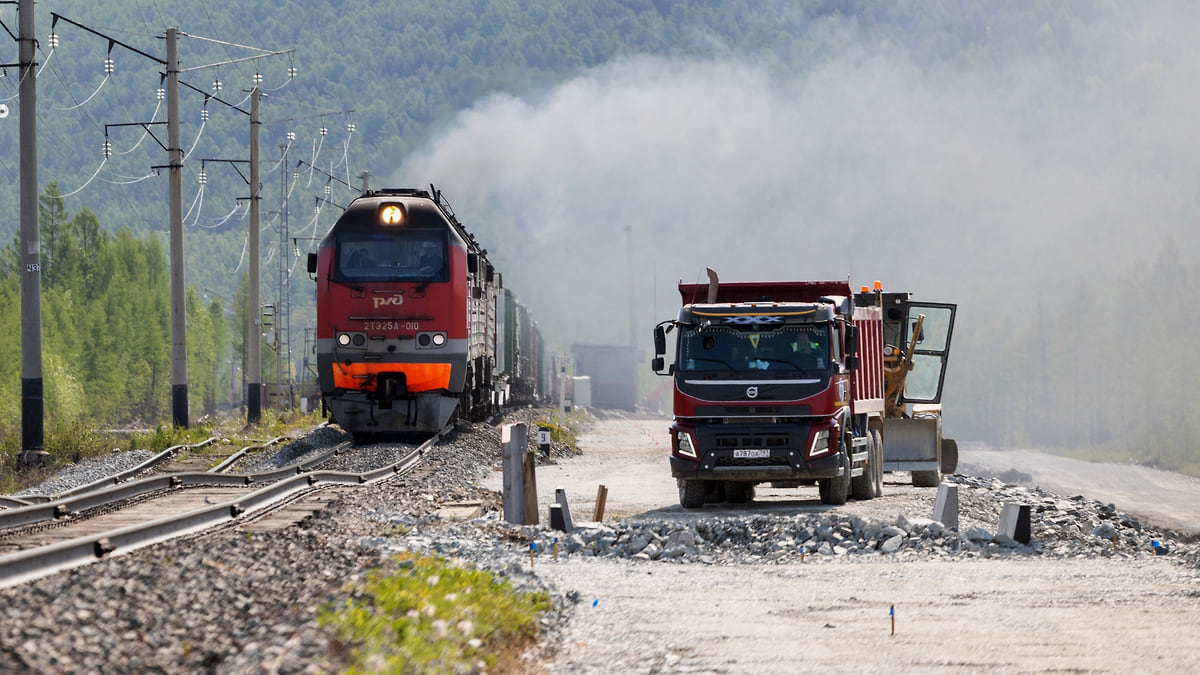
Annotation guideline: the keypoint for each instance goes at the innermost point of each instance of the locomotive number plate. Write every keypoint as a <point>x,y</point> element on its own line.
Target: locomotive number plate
<point>751,453</point>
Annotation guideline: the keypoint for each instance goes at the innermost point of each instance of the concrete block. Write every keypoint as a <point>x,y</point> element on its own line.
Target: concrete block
<point>557,522</point>
<point>560,497</point>
<point>1014,523</point>
<point>945,508</point>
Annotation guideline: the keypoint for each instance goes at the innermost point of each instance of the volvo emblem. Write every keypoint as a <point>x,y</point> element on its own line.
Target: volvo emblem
<point>751,392</point>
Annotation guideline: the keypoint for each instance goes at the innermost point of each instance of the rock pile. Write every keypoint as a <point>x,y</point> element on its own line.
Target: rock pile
<point>1062,527</point>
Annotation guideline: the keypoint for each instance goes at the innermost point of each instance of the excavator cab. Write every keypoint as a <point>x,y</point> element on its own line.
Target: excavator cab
<point>917,338</point>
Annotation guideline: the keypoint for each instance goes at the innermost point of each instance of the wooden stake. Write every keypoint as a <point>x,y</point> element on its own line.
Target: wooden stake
<point>893,613</point>
<point>601,501</point>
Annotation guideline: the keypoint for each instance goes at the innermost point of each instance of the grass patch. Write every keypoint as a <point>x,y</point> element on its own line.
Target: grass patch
<point>566,432</point>
<point>435,616</point>
<point>73,441</point>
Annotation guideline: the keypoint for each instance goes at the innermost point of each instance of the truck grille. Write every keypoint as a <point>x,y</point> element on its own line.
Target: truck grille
<point>759,461</point>
<point>732,441</point>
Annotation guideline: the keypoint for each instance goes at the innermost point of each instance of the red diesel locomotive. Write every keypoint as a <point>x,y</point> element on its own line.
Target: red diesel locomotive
<point>410,318</point>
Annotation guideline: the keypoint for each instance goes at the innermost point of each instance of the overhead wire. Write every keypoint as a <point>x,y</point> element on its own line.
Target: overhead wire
<point>226,218</point>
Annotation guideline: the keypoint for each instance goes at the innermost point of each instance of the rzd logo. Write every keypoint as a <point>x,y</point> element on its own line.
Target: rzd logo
<point>395,300</point>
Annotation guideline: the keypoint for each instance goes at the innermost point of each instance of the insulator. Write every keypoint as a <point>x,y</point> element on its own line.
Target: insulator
<point>161,93</point>
<point>324,131</point>
<point>292,72</point>
<point>316,210</point>
<point>291,136</point>
<point>216,85</point>
<point>258,78</point>
<point>107,149</point>
<point>204,114</point>
<point>203,177</point>
<point>109,67</point>
<point>53,40</point>
<point>328,192</point>
<point>350,128</point>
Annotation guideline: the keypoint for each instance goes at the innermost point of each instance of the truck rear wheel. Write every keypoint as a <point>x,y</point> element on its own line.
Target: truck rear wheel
<point>834,491</point>
<point>878,438</point>
<point>863,485</point>
<point>691,493</point>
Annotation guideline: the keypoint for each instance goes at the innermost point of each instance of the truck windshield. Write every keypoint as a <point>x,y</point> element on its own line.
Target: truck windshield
<point>410,255</point>
<point>786,349</point>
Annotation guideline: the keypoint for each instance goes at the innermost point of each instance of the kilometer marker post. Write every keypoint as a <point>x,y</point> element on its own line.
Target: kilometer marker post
<point>532,550</point>
<point>892,612</point>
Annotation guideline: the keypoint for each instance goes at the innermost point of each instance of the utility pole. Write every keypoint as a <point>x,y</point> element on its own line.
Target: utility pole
<point>32,409</point>
<point>254,302</point>
<point>179,373</point>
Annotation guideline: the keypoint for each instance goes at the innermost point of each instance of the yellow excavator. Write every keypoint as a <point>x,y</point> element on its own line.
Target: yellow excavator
<point>916,338</point>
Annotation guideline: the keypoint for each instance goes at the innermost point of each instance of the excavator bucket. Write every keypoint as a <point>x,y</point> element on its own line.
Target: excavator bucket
<point>911,444</point>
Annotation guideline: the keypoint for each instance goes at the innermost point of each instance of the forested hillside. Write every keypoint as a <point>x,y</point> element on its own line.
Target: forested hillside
<point>1032,161</point>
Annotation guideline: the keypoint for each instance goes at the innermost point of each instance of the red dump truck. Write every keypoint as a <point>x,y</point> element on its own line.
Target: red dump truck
<point>788,383</point>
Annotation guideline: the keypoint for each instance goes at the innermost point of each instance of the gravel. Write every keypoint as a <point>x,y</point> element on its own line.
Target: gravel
<point>87,471</point>
<point>239,603</point>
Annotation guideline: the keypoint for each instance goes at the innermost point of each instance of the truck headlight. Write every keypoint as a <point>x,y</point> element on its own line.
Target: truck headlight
<point>820,444</point>
<point>686,447</point>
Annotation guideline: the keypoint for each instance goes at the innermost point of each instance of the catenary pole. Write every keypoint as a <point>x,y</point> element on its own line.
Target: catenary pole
<point>179,373</point>
<point>32,407</point>
<point>253,300</point>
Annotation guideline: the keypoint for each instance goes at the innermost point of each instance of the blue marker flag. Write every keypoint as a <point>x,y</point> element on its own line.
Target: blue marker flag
<point>892,612</point>
<point>533,546</point>
<point>595,602</point>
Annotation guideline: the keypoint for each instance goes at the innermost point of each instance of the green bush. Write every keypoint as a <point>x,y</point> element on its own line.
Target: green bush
<point>434,616</point>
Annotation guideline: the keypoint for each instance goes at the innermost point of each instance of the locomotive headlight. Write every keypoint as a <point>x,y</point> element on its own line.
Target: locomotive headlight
<point>359,339</point>
<point>343,339</point>
<point>430,340</point>
<point>391,214</point>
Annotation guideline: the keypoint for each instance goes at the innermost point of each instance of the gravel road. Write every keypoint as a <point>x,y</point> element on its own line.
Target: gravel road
<point>988,611</point>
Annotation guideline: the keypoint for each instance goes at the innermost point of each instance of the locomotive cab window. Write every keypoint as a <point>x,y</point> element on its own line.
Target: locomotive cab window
<point>409,256</point>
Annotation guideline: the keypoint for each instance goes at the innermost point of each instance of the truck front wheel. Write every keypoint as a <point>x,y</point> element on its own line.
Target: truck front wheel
<point>834,491</point>
<point>691,493</point>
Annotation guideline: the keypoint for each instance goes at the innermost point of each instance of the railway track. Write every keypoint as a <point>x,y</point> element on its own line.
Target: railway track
<point>120,514</point>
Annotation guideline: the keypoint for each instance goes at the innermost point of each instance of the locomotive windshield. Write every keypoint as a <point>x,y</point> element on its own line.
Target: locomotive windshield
<point>741,348</point>
<point>409,255</point>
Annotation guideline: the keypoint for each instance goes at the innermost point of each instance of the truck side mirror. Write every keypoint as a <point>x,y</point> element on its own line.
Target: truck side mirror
<point>312,263</point>
<point>851,343</point>
<point>660,343</point>
<point>852,362</point>
<point>657,364</point>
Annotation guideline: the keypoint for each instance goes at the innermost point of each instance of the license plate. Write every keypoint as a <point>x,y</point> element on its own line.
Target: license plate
<point>752,453</point>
